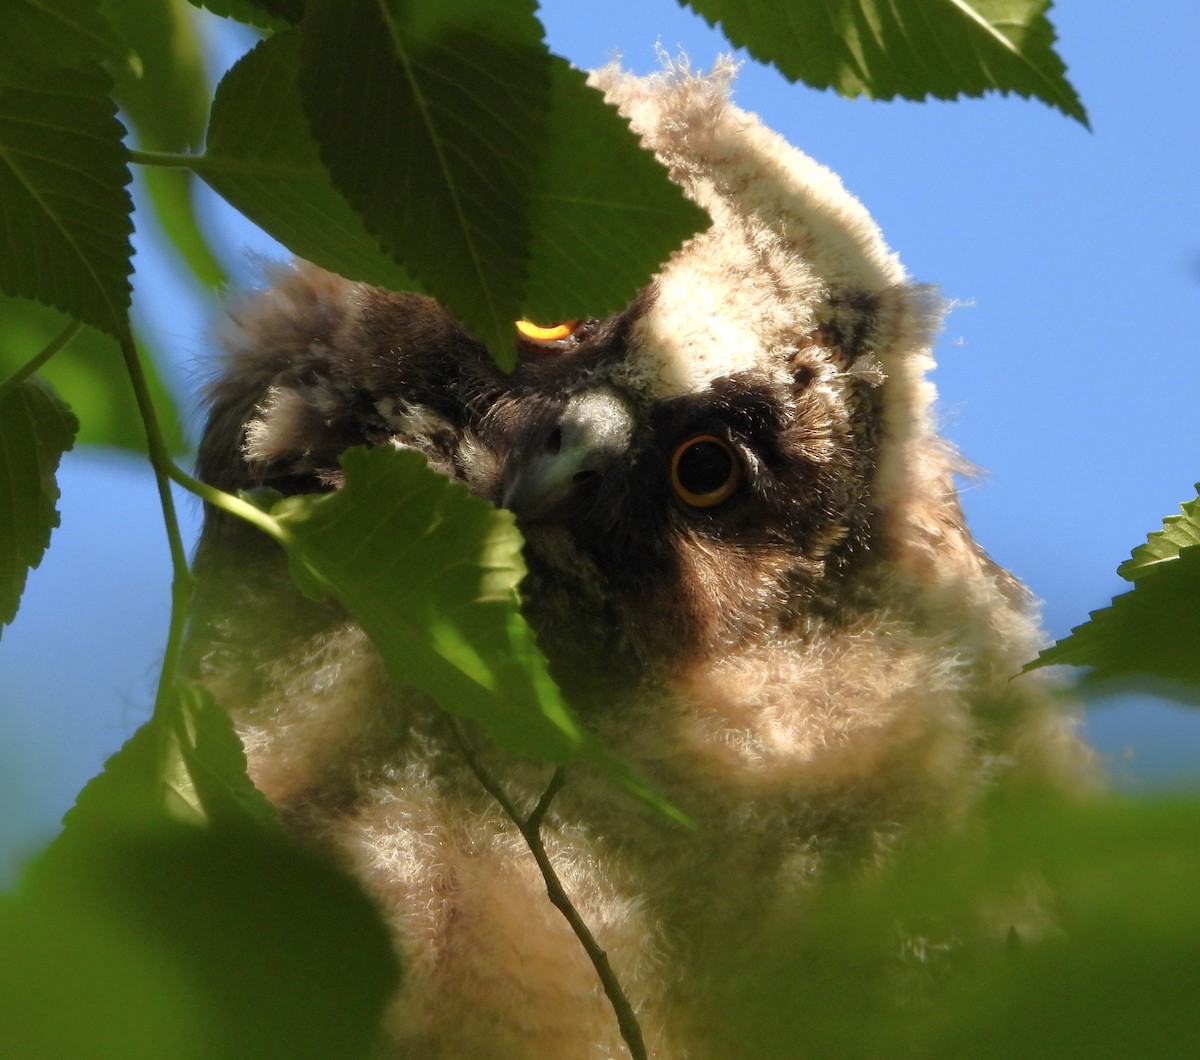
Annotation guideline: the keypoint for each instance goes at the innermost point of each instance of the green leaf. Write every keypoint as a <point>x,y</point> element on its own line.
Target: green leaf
<point>89,374</point>
<point>909,48</point>
<point>168,102</point>
<point>63,204</point>
<point>1178,532</point>
<point>431,120</point>
<point>36,428</point>
<point>1124,878</point>
<point>599,230</point>
<point>961,943</point>
<point>262,159</point>
<point>1151,631</point>
<point>431,573</point>
<point>73,983</point>
<point>233,942</point>
<point>184,766</point>
<point>37,37</point>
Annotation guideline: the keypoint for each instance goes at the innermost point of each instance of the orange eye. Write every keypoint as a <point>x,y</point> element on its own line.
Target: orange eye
<point>553,333</point>
<point>705,471</point>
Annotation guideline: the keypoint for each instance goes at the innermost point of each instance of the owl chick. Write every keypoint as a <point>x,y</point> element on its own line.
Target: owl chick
<point>748,568</point>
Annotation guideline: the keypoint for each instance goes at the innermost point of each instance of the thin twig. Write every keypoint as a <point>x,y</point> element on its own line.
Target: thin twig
<point>181,575</point>
<point>530,829</point>
<point>52,347</point>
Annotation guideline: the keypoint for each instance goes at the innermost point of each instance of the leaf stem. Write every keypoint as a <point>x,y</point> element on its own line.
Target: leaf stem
<point>164,158</point>
<point>60,340</point>
<point>181,578</point>
<point>530,829</point>
<point>231,503</point>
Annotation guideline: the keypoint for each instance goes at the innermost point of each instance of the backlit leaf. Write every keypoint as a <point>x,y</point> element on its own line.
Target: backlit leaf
<point>1178,532</point>
<point>1151,632</point>
<point>909,48</point>
<point>431,573</point>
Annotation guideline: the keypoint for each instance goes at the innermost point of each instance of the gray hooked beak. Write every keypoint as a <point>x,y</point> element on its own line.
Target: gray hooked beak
<point>594,429</point>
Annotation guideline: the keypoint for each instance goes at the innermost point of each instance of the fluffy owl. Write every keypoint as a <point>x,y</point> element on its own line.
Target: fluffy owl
<point>748,568</point>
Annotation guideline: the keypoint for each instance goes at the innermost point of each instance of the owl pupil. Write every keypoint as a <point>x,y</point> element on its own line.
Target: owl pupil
<point>704,467</point>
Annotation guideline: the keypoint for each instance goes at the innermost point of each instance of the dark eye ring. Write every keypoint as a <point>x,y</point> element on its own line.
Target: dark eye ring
<point>705,471</point>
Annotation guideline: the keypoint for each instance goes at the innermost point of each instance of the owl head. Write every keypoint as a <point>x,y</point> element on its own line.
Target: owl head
<point>746,449</point>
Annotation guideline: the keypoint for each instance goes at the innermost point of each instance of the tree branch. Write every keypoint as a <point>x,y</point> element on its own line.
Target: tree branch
<point>530,829</point>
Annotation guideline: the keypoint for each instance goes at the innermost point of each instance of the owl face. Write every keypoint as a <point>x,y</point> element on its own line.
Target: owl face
<point>666,522</point>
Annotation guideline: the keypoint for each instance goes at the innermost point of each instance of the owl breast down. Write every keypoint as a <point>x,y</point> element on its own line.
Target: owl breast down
<point>747,566</point>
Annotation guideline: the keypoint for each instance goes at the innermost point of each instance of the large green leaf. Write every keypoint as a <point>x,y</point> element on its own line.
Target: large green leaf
<point>1042,932</point>
<point>37,36</point>
<point>74,983</point>
<point>64,209</point>
<point>431,118</point>
<point>175,883</point>
<point>1152,631</point>
<point>89,374</point>
<point>36,428</point>
<point>599,230</point>
<point>431,573</point>
<point>262,158</point>
<point>167,100</point>
<point>1116,974</point>
<point>178,884</point>
<point>243,943</point>
<point>910,48</point>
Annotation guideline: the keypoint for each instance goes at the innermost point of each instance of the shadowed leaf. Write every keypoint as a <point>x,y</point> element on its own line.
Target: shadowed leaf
<point>40,36</point>
<point>431,118</point>
<point>599,230</point>
<point>266,14</point>
<point>63,203</point>
<point>36,428</point>
<point>262,158</point>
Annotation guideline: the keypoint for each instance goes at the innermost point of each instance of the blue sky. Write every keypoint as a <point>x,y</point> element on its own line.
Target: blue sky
<point>1069,368</point>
